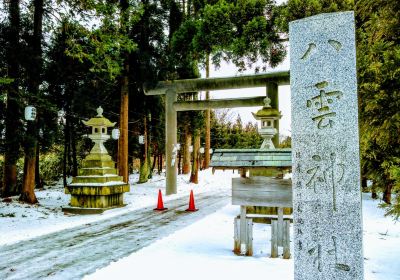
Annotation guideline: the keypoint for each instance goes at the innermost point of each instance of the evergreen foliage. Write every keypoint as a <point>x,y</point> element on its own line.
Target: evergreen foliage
<point>228,134</point>
<point>242,32</point>
<point>297,9</point>
<point>378,61</point>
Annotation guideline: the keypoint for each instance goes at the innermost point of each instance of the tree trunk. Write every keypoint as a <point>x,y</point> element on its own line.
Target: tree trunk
<point>123,122</point>
<point>34,81</point>
<point>10,177</point>
<point>194,176</point>
<point>69,154</point>
<point>73,150</point>
<point>364,186</point>
<point>374,195</point>
<point>186,151</point>
<point>13,112</point>
<point>28,194</point>
<point>387,194</point>
<point>28,185</point>
<point>188,8</point>
<point>179,162</point>
<point>66,148</point>
<point>160,163</point>
<point>206,162</point>
<point>38,181</point>
<point>154,162</point>
<point>144,161</point>
<point>124,109</point>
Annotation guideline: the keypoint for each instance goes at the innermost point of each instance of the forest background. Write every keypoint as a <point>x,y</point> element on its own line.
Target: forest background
<point>66,58</point>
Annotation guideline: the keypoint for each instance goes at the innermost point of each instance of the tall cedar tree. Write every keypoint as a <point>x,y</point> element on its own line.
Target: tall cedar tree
<point>185,67</point>
<point>34,81</point>
<point>124,109</point>
<point>75,90</point>
<point>148,64</point>
<point>378,51</point>
<point>13,110</point>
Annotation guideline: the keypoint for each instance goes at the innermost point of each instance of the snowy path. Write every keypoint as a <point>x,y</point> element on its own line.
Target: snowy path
<point>72,253</point>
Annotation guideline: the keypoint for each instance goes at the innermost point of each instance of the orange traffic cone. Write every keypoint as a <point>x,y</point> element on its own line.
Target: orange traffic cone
<point>191,208</point>
<point>160,203</point>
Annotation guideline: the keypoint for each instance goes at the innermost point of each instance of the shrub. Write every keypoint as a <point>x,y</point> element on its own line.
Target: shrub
<point>50,165</point>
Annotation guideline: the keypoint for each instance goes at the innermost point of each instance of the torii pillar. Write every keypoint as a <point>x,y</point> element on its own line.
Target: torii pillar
<point>170,140</point>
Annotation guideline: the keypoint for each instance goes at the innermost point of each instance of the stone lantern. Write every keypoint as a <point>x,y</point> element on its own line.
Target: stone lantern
<point>267,115</point>
<point>99,134</point>
<point>98,186</point>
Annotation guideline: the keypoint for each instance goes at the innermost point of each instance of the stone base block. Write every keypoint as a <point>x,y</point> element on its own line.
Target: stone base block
<point>88,211</point>
<point>97,201</point>
<point>97,190</point>
<point>98,156</point>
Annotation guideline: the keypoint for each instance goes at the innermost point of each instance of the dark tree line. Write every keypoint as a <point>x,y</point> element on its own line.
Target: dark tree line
<point>68,57</point>
<point>75,55</point>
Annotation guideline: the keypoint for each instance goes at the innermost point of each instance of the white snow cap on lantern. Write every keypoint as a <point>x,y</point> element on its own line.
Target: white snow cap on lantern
<point>202,150</point>
<point>30,113</point>
<point>115,133</point>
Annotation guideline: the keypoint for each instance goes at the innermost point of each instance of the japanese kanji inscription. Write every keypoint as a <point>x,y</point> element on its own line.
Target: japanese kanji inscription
<point>326,166</point>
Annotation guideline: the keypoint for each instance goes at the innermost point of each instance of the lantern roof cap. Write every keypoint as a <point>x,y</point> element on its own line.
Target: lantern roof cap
<point>267,112</point>
<point>99,120</point>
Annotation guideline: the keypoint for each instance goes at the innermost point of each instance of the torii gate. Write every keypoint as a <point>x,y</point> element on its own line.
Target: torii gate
<point>171,88</point>
<point>327,212</point>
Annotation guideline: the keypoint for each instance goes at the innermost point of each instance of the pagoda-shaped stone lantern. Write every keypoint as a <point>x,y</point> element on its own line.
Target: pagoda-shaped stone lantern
<point>98,187</point>
<point>267,115</point>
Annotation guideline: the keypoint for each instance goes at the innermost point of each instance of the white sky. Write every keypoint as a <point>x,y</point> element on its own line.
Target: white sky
<point>227,70</point>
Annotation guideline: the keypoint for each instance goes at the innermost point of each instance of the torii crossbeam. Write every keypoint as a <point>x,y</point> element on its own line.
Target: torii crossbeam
<point>171,88</point>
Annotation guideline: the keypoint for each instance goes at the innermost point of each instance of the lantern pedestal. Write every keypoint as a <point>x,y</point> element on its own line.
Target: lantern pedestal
<point>98,186</point>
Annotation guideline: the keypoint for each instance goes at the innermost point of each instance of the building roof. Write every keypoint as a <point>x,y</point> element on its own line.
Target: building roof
<point>251,158</point>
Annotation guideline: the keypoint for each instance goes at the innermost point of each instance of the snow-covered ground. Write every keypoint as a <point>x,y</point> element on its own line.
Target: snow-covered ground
<point>22,221</point>
<point>202,250</point>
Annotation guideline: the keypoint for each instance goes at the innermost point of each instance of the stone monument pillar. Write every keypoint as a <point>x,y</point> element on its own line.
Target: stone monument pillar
<point>98,187</point>
<point>325,149</point>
